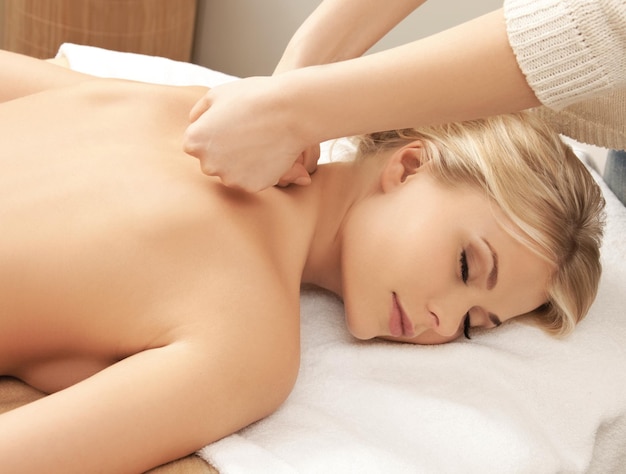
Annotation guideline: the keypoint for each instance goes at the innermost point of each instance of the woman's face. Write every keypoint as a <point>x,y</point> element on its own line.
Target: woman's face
<point>419,259</point>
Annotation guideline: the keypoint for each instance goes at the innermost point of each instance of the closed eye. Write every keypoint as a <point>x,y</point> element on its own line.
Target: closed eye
<point>464,267</point>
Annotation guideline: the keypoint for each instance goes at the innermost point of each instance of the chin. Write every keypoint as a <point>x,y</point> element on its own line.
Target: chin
<point>358,331</point>
<point>427,338</point>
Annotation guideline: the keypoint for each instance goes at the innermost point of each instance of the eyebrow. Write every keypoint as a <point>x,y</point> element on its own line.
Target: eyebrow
<point>492,278</point>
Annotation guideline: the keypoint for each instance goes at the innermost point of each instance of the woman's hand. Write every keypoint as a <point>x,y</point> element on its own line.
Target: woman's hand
<point>247,134</point>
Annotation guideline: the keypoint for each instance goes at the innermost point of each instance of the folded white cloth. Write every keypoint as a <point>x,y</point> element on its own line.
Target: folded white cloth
<point>138,67</point>
<point>511,400</point>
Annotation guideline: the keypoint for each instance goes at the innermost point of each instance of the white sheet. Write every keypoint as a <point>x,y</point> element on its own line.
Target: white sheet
<point>512,400</point>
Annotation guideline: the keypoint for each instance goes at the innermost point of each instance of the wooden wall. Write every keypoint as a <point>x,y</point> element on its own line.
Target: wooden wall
<point>156,27</point>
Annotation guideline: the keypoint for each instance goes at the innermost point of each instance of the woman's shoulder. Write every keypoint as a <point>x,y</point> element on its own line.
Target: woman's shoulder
<point>127,94</point>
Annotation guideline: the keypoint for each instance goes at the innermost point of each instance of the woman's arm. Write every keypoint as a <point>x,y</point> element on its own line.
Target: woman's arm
<point>337,30</point>
<point>442,78</point>
<point>22,75</point>
<point>462,73</point>
<point>150,408</point>
<point>342,29</point>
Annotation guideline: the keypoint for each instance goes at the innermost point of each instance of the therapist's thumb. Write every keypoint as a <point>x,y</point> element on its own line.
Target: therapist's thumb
<point>297,174</point>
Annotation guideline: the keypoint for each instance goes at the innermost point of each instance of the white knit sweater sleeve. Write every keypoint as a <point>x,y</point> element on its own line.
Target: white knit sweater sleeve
<point>569,50</point>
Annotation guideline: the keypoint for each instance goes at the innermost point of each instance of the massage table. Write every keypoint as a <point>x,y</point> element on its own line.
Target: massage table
<point>511,400</point>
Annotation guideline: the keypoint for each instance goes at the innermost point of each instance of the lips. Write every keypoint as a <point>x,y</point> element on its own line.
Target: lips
<point>399,322</point>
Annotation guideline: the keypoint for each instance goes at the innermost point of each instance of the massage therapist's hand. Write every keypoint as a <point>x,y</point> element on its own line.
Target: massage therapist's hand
<point>245,133</point>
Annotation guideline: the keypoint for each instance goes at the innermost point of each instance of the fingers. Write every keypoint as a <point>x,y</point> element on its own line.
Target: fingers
<point>264,158</point>
<point>297,174</point>
<point>193,138</point>
<point>310,158</point>
<point>192,142</point>
<point>200,107</point>
<point>302,169</point>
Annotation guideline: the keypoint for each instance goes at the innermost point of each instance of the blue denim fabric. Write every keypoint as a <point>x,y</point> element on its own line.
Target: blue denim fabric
<point>615,173</point>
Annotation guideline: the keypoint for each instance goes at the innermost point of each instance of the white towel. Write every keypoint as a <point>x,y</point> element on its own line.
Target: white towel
<point>510,400</point>
<point>138,67</point>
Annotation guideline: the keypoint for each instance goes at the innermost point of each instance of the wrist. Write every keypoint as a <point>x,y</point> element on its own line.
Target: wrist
<point>292,104</point>
<point>332,101</point>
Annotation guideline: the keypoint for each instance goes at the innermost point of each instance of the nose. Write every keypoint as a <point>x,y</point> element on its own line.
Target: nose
<point>450,316</point>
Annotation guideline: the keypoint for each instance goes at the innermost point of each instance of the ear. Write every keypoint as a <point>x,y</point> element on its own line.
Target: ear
<point>402,163</point>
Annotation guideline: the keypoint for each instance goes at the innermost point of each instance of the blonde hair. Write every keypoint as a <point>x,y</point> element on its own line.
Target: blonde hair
<point>541,186</point>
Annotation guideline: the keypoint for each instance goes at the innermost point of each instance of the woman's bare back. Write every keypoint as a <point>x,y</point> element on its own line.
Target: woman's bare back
<point>114,245</point>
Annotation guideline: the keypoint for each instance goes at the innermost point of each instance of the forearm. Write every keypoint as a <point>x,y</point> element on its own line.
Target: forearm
<point>446,77</point>
<point>342,29</point>
<point>145,410</point>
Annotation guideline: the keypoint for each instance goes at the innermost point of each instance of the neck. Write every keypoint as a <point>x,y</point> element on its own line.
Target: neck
<point>336,187</point>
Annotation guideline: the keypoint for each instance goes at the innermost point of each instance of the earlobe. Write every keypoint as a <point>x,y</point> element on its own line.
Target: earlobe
<point>403,163</point>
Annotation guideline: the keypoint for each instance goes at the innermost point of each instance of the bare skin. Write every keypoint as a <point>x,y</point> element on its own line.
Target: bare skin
<point>159,308</point>
<point>465,72</point>
<point>152,314</point>
<point>125,193</point>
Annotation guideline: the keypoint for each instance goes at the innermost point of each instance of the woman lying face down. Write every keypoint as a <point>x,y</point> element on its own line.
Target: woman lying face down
<point>160,309</point>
